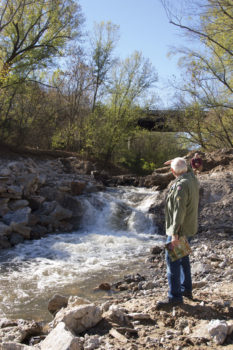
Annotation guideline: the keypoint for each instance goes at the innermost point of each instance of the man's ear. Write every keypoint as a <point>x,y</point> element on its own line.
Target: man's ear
<point>173,172</point>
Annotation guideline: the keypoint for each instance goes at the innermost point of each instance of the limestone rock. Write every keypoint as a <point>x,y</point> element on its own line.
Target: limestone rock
<point>218,330</point>
<point>91,342</point>
<point>60,213</point>
<point>23,230</point>
<point>14,191</point>
<point>156,250</point>
<point>4,206</point>
<point>117,315</point>
<point>139,316</point>
<point>60,338</point>
<point>35,202</point>
<point>79,318</point>
<point>16,238</point>
<point>230,327</point>
<point>20,216</point>
<point>104,286</point>
<point>76,301</point>
<point>29,183</point>
<point>18,204</point>
<point>5,172</point>
<point>38,231</point>
<point>4,242</point>
<point>200,268</point>
<point>18,331</point>
<point>77,187</point>
<point>15,346</point>
<point>56,303</point>
<point>4,229</point>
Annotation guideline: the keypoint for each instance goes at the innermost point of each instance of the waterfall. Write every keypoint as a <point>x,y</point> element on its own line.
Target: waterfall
<point>116,232</point>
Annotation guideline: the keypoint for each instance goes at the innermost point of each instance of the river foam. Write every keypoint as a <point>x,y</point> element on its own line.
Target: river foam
<point>116,232</point>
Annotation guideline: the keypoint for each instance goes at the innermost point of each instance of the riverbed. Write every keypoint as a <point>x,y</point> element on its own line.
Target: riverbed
<point>115,235</point>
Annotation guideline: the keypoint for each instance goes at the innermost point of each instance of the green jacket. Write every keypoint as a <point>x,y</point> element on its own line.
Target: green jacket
<point>181,210</point>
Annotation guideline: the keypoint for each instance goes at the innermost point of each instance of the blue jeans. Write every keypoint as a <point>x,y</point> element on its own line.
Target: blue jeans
<point>178,275</point>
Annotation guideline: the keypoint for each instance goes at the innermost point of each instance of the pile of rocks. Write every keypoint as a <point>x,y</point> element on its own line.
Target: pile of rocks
<point>41,196</point>
<point>130,320</point>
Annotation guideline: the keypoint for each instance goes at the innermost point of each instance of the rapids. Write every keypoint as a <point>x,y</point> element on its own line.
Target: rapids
<point>115,234</point>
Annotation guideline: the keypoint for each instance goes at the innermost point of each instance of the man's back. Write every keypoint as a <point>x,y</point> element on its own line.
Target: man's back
<point>182,206</point>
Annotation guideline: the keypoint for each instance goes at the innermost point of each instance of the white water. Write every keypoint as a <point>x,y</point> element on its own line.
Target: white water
<point>116,232</point>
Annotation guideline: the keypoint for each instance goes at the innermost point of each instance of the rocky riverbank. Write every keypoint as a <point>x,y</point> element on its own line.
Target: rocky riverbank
<point>41,196</point>
<point>129,319</point>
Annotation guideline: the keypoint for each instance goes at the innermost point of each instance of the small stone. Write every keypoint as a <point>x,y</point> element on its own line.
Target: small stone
<point>56,303</point>
<point>104,286</point>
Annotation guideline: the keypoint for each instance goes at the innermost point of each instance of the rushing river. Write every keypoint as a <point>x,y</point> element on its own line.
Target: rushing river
<point>116,233</point>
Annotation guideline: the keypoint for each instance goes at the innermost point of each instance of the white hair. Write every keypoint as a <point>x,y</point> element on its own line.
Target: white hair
<point>179,165</point>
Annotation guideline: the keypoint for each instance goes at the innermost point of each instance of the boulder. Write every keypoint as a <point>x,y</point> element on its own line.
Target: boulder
<point>4,242</point>
<point>19,330</point>
<point>4,229</point>
<point>104,286</point>
<point>75,301</point>
<point>60,213</point>
<point>218,330</point>
<point>79,318</point>
<point>3,190</point>
<point>60,338</point>
<point>14,191</point>
<point>17,204</point>
<point>77,188</point>
<point>4,206</point>
<point>38,231</point>
<point>15,346</point>
<point>5,172</point>
<point>199,268</point>
<point>74,205</point>
<point>29,183</point>
<point>48,192</point>
<point>156,250</point>
<point>15,167</point>
<point>35,202</point>
<point>16,238</point>
<point>56,303</point>
<point>117,315</point>
<point>23,230</point>
<point>20,216</point>
<point>92,342</point>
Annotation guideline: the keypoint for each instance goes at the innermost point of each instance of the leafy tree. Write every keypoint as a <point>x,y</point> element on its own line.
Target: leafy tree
<point>149,150</point>
<point>103,43</point>
<point>206,96</point>
<point>33,32</point>
<point>115,122</point>
<point>75,89</point>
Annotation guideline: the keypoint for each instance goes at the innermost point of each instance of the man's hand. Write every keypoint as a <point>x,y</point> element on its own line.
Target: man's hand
<point>175,240</point>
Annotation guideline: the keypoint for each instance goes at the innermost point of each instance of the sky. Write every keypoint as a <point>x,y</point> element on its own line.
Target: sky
<point>144,27</point>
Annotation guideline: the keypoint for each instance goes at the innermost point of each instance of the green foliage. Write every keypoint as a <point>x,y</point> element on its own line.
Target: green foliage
<point>147,151</point>
<point>32,34</point>
<point>206,96</point>
<point>96,101</point>
<point>103,44</point>
<point>115,122</point>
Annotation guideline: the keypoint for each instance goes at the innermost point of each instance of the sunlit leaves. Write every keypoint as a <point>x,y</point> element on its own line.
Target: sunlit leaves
<point>33,32</point>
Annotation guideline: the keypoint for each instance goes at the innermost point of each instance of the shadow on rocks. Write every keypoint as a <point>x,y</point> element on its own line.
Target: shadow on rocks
<point>205,312</point>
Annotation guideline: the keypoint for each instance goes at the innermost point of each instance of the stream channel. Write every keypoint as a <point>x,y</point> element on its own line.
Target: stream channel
<point>114,238</point>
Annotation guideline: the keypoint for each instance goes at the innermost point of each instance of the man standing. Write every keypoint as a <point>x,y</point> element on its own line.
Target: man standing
<point>181,220</point>
<point>196,163</point>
